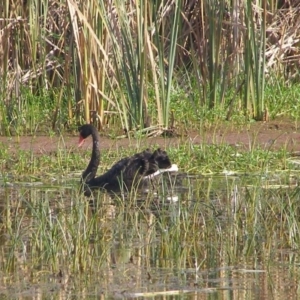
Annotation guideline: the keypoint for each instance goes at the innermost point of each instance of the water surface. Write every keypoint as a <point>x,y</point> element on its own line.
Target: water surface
<point>187,237</point>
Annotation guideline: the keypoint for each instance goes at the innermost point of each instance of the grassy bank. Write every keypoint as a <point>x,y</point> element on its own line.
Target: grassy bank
<point>186,113</point>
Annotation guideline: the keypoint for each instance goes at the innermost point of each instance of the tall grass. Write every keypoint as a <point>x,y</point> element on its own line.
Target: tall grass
<point>143,55</point>
<point>255,46</point>
<point>102,59</point>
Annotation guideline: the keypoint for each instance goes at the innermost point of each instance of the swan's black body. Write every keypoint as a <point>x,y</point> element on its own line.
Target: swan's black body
<point>127,173</point>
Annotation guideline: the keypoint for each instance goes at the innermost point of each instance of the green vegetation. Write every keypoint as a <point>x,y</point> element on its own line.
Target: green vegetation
<point>37,112</point>
<point>205,159</point>
<point>238,215</point>
<point>149,67</point>
<point>146,64</point>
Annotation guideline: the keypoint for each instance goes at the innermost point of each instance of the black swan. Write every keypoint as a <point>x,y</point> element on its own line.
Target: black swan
<point>128,172</point>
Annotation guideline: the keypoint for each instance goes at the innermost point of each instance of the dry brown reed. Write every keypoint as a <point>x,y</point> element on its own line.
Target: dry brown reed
<point>108,57</point>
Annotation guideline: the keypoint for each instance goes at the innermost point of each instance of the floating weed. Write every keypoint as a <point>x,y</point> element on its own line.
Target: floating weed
<point>216,159</point>
<point>199,159</point>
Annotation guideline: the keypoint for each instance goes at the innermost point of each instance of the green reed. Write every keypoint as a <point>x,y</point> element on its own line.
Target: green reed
<point>240,207</point>
<point>132,63</point>
<point>225,221</point>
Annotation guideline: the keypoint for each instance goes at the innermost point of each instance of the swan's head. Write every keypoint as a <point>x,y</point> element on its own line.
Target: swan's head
<point>85,131</point>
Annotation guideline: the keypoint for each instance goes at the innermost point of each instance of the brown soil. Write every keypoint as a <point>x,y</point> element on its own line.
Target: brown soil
<point>273,135</point>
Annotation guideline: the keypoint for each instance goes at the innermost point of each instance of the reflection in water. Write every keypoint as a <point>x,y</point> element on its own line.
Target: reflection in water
<point>216,237</point>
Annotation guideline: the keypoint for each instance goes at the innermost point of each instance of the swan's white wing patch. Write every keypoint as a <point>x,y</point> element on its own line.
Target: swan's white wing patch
<point>173,168</point>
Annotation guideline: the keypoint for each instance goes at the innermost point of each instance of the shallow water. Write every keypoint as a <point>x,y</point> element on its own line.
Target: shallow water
<point>187,237</point>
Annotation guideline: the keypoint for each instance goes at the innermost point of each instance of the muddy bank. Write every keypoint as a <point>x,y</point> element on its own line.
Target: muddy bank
<point>273,135</point>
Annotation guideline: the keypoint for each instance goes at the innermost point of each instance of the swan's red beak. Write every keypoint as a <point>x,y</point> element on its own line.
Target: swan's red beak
<point>81,141</point>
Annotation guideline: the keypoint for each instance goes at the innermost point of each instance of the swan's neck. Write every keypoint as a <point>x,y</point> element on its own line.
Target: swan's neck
<point>92,167</point>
